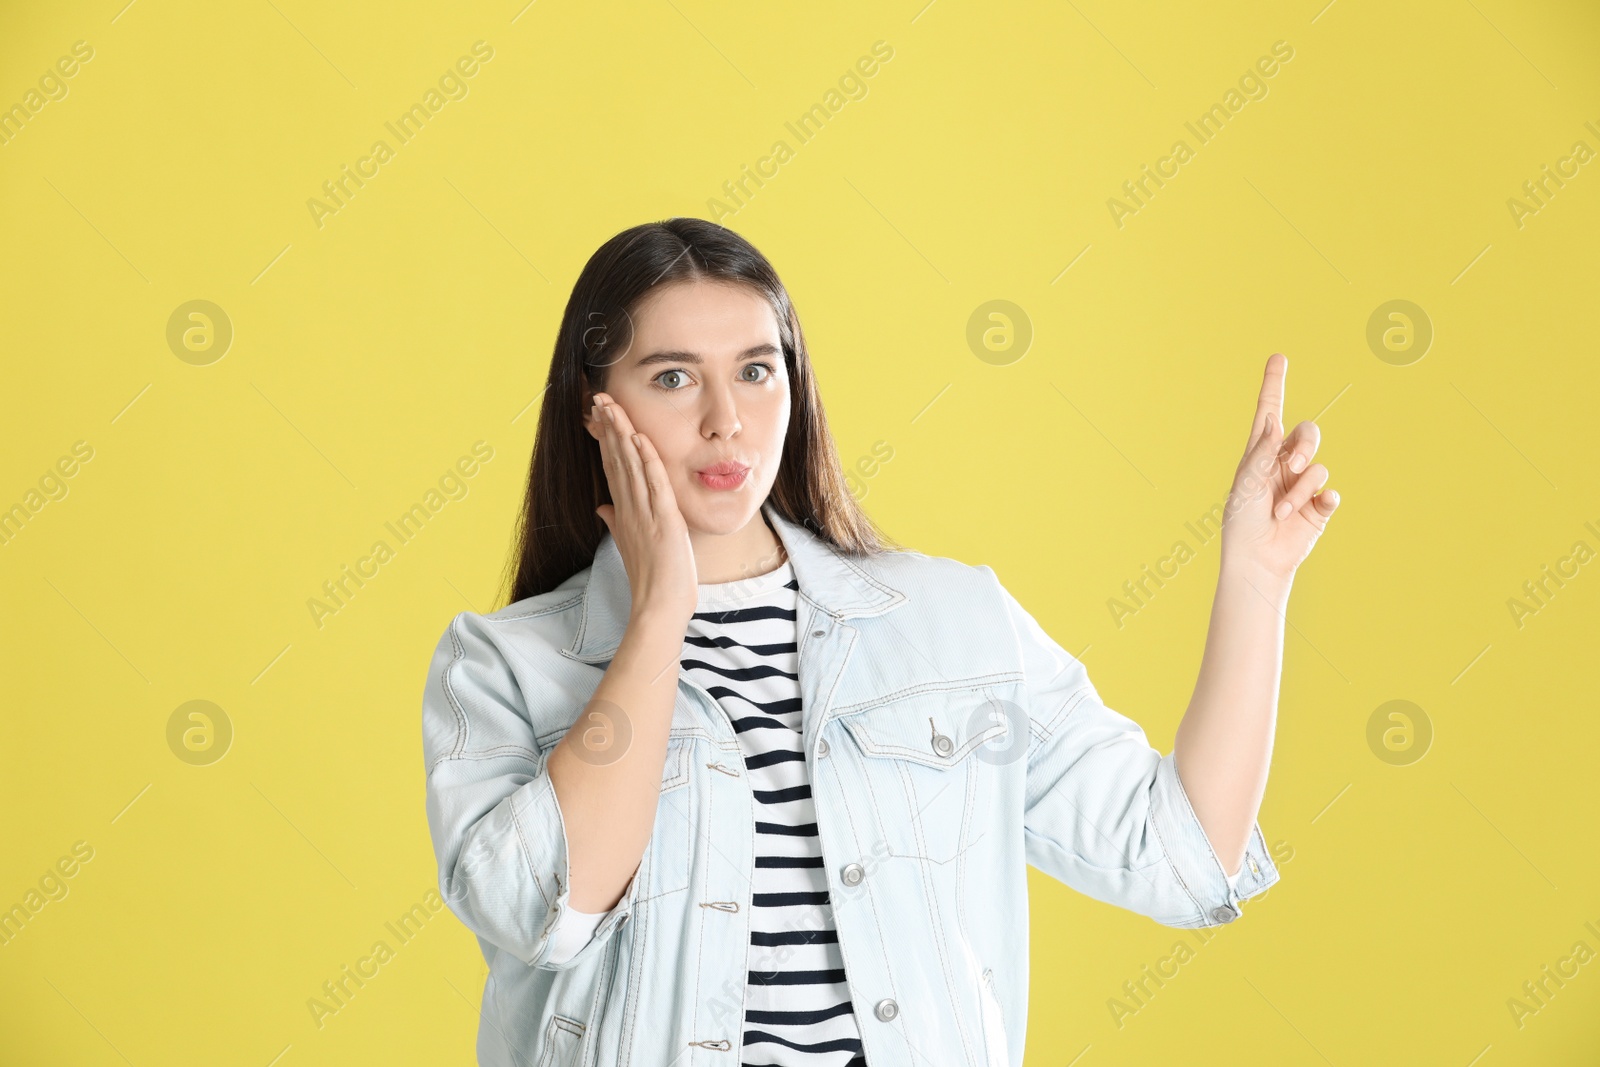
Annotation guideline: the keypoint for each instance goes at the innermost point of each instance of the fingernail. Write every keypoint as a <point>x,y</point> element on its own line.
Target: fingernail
<point>1298,463</point>
<point>1281,510</point>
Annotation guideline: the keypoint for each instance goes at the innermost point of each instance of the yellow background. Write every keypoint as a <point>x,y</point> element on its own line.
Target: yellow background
<point>370,353</point>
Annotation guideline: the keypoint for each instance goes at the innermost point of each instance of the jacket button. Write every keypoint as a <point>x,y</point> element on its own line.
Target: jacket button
<point>886,1010</point>
<point>852,875</point>
<point>1224,914</point>
<point>943,745</point>
<point>818,633</point>
<point>822,747</point>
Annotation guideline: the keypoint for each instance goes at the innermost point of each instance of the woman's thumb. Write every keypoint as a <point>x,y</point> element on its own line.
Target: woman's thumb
<point>606,511</point>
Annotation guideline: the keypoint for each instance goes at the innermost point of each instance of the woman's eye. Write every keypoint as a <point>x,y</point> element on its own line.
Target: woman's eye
<point>763,366</point>
<point>669,374</point>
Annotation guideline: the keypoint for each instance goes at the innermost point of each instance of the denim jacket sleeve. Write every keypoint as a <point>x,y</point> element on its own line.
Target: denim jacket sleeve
<point>497,829</point>
<point>1105,812</point>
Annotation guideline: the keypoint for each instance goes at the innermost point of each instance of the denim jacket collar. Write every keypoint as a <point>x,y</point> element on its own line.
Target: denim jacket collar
<point>827,578</point>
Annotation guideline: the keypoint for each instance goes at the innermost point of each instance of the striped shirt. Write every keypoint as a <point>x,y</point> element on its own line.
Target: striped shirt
<point>741,646</point>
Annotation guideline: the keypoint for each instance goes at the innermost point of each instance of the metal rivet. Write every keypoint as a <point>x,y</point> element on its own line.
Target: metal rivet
<point>818,633</point>
<point>886,1010</point>
<point>822,747</point>
<point>852,874</point>
<point>1223,914</point>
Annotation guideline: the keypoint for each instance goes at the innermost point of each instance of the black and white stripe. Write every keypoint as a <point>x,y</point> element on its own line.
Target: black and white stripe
<point>741,647</point>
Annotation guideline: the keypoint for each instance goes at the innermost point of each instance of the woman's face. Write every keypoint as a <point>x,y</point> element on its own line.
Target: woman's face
<point>704,379</point>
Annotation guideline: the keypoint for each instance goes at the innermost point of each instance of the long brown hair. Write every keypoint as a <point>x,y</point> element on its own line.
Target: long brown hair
<point>558,530</point>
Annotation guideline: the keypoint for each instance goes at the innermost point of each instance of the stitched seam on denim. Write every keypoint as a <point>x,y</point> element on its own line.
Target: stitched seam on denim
<point>1260,880</point>
<point>930,894</point>
<point>692,836</point>
<point>589,1051</point>
<point>1183,797</point>
<point>583,622</point>
<point>549,738</point>
<point>961,867</point>
<point>680,776</point>
<point>973,775</point>
<point>988,978</point>
<point>978,681</point>
<point>638,949</point>
<point>527,854</point>
<point>895,596</point>
<point>851,635</point>
<point>611,976</point>
<point>916,755</point>
<point>1068,706</point>
<point>547,1045</point>
<point>869,902</point>
<point>449,690</point>
<point>576,597</point>
<point>750,896</point>
<point>1039,735</point>
<point>500,752</point>
<point>1155,824</point>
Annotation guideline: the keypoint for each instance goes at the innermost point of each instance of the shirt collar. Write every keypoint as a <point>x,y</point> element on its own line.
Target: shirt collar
<point>827,578</point>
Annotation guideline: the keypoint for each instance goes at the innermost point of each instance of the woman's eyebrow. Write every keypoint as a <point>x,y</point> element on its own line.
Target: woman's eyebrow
<point>675,356</point>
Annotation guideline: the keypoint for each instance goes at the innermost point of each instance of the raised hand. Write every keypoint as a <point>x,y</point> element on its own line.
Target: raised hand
<point>1276,509</point>
<point>644,518</point>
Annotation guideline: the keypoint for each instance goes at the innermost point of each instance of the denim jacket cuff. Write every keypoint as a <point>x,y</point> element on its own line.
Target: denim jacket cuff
<point>1193,859</point>
<point>562,903</point>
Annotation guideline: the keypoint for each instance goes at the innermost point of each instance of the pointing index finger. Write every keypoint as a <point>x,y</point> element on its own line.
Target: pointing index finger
<point>1271,398</point>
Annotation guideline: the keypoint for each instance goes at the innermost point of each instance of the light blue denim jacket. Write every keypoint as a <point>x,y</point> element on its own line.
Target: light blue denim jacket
<point>950,743</point>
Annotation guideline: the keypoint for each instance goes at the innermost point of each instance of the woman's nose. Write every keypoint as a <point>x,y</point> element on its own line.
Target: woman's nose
<point>721,417</point>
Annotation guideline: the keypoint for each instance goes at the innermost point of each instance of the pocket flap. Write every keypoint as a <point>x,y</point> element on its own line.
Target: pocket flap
<point>938,729</point>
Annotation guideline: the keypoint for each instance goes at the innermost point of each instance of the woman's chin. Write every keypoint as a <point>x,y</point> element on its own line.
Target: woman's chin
<point>716,513</point>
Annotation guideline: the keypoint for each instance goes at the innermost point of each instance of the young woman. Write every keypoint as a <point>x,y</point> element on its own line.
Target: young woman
<point>732,781</point>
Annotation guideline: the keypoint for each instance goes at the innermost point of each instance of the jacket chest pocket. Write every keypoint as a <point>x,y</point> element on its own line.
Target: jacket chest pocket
<point>670,850</point>
<point>924,755</point>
